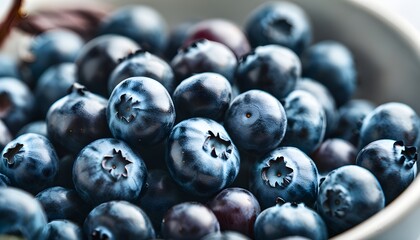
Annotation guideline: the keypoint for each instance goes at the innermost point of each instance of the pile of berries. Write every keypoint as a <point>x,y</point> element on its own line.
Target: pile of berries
<point>208,131</point>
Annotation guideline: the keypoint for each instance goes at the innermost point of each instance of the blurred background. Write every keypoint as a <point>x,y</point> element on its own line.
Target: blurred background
<point>407,9</point>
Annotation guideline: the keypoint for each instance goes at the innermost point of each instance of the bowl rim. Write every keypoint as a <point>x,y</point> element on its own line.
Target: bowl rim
<point>408,200</point>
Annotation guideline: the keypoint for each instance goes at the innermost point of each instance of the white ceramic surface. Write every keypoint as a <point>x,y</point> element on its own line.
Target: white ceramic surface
<point>387,52</point>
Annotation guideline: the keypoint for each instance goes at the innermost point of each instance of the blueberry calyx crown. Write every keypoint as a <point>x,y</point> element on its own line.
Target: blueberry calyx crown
<point>99,234</point>
<point>194,44</point>
<point>280,201</point>
<point>77,88</point>
<point>125,108</point>
<point>280,26</point>
<point>116,164</point>
<point>408,154</point>
<point>10,154</point>
<point>337,202</point>
<point>277,173</point>
<point>132,55</point>
<point>217,146</point>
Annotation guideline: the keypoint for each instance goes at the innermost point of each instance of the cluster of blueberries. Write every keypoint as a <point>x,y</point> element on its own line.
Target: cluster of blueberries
<point>208,131</point>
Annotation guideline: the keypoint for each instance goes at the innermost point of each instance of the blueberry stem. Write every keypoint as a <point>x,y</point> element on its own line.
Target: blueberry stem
<point>14,15</point>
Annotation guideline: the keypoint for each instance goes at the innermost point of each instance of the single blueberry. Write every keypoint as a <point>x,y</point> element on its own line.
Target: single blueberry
<point>189,220</point>
<point>118,220</point>
<point>77,119</point>
<point>256,121</point>
<point>205,95</point>
<point>236,210</point>
<point>108,169</point>
<point>286,173</point>
<point>334,153</point>
<point>201,157</point>
<point>306,122</point>
<point>30,162</point>
<point>392,163</point>
<point>279,22</point>
<point>392,120</point>
<point>204,56</point>
<point>332,64</point>
<point>272,68</point>
<point>290,219</point>
<point>348,196</point>
<point>140,111</point>
<point>21,214</point>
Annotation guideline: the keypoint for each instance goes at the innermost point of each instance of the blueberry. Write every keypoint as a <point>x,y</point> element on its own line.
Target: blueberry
<point>348,196</point>
<point>286,173</point>
<point>16,103</point>
<point>392,120</point>
<point>201,157</point>
<point>272,68</point>
<point>189,220</point>
<point>143,63</point>
<point>108,169</point>
<point>63,203</point>
<point>47,49</point>
<point>332,64</point>
<point>140,111</point>
<point>350,119</point>
<point>289,219</point>
<point>306,121</point>
<point>334,153</point>
<point>77,119</point>
<point>225,235</point>
<point>392,163</point>
<point>30,162</point>
<point>236,210</point>
<point>325,98</point>
<point>4,180</point>
<point>20,214</point>
<point>9,66</point>
<point>98,58</point>
<point>61,229</point>
<point>59,77</point>
<point>162,193</point>
<point>220,30</point>
<point>205,95</point>
<point>256,121</point>
<point>204,56</point>
<point>38,127</point>
<point>118,220</point>
<point>279,22</point>
<point>141,23</point>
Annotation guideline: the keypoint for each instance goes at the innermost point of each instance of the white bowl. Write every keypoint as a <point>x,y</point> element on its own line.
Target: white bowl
<point>387,53</point>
